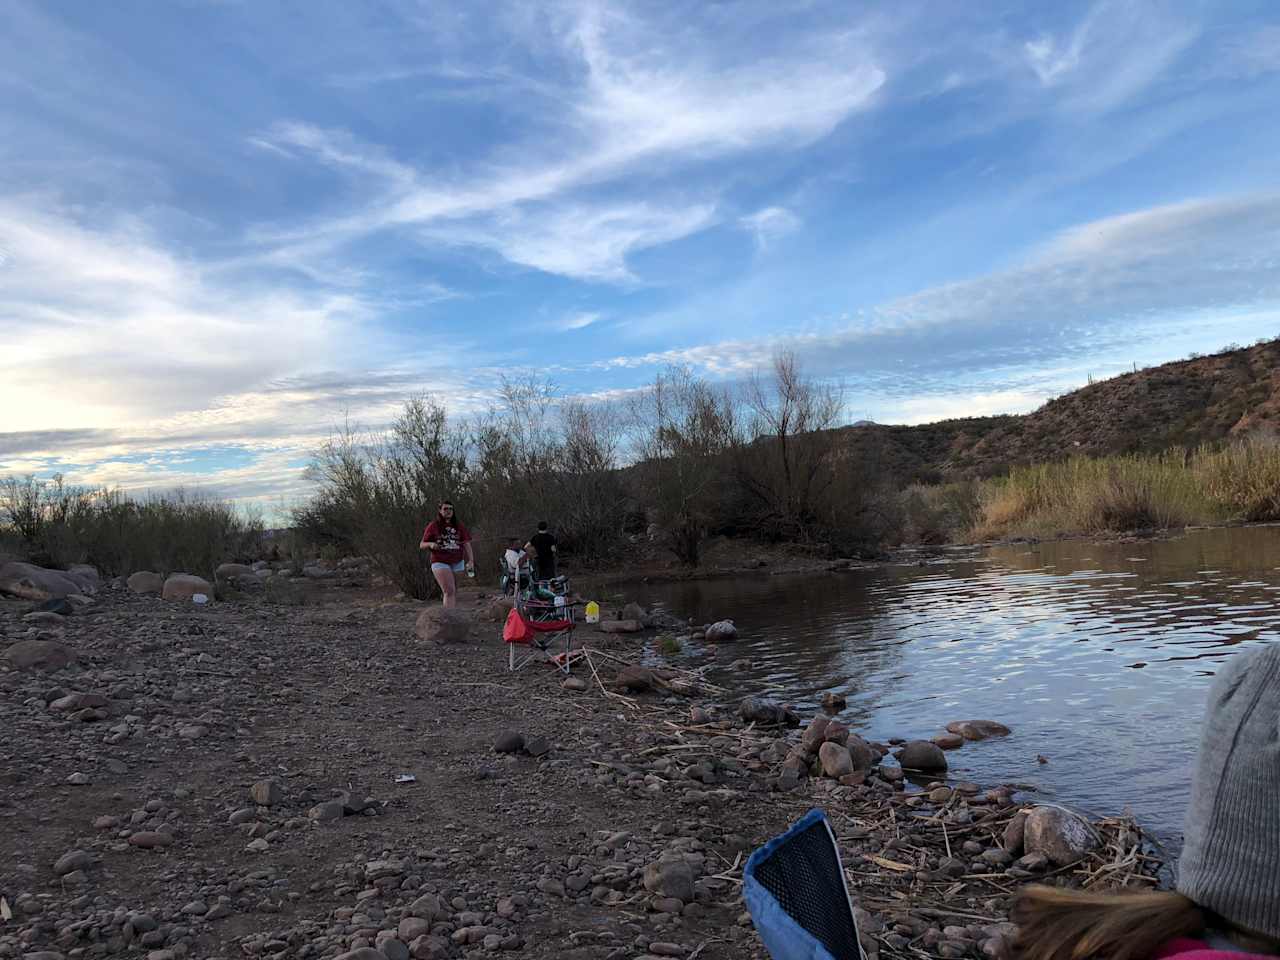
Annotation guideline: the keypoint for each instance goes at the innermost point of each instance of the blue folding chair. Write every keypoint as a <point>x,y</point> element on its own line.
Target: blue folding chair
<point>796,893</point>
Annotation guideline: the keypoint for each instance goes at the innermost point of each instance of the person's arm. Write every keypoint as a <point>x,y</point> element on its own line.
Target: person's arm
<point>427,544</point>
<point>471,557</point>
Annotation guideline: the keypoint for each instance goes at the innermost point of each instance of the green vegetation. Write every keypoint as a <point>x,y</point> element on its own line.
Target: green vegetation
<point>669,644</point>
<point>55,525</point>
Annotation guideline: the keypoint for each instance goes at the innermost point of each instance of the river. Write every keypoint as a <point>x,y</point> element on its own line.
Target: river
<point>1098,655</point>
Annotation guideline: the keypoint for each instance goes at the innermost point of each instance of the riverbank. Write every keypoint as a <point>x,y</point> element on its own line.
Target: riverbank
<point>180,790</point>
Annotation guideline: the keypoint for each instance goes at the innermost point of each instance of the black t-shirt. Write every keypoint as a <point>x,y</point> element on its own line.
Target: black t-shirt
<point>542,542</point>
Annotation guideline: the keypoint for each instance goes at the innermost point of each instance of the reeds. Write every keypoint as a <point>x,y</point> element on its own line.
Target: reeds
<point>1133,493</point>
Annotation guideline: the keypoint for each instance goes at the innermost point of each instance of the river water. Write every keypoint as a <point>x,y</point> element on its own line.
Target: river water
<point>1097,655</point>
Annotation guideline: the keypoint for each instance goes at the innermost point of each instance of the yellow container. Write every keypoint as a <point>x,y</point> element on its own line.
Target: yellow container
<point>593,612</point>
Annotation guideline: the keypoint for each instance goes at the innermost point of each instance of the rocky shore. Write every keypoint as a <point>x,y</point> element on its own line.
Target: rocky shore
<point>294,771</point>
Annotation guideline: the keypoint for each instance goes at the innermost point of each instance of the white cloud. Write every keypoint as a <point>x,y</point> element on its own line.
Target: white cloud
<point>769,225</point>
<point>1115,53</point>
<point>645,108</point>
<point>579,321</point>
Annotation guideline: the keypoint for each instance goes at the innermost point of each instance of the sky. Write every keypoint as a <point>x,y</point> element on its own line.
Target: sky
<point>228,227</point>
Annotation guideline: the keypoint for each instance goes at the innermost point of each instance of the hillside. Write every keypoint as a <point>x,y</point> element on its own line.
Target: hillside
<point>1185,403</point>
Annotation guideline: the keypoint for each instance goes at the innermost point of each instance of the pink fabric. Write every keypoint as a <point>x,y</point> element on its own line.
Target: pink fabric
<point>1185,949</point>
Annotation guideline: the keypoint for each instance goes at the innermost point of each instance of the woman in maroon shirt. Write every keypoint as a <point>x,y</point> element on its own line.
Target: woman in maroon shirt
<point>450,544</point>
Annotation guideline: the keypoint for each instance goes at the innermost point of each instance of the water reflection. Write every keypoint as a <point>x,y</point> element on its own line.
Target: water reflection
<point>1097,655</point>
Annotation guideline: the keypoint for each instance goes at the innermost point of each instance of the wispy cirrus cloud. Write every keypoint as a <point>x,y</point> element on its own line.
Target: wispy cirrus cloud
<point>769,224</point>
<point>643,110</point>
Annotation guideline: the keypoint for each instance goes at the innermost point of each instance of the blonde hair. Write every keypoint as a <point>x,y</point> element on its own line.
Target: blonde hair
<point>1057,924</point>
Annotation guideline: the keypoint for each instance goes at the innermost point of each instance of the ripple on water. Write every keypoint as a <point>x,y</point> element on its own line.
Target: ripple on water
<point>1045,640</point>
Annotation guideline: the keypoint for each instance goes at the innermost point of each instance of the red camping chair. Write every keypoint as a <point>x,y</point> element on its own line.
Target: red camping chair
<point>540,625</point>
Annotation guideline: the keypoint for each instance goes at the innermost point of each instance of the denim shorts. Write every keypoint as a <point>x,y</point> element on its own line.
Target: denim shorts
<point>458,567</point>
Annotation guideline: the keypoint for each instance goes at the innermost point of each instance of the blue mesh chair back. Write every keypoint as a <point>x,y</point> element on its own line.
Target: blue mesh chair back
<point>795,891</point>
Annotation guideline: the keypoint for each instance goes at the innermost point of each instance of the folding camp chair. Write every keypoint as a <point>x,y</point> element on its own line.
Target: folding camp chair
<point>541,620</point>
<point>796,893</point>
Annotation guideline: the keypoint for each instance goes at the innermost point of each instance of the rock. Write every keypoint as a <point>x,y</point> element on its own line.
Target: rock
<point>53,583</point>
<point>1060,835</point>
<point>509,742</point>
<point>633,611</point>
<point>443,625</point>
<point>815,734</point>
<point>537,746</point>
<point>576,684</point>
<point>329,810</point>
<point>184,586</point>
<point>948,741</point>
<point>429,948</point>
<point>266,793</point>
<point>1013,833</point>
<point>834,702</point>
<point>144,581</point>
<point>42,618</point>
<point>977,729</point>
<point>413,927</point>
<point>634,678</point>
<point>620,626</point>
<point>939,794</point>
<point>670,878</point>
<point>227,572</point>
<point>427,907</point>
<point>1033,861</point>
<point>497,610</point>
<point>836,732</point>
<point>922,755</point>
<point>721,631</point>
<point>835,760</point>
<point>394,949</point>
<point>46,656</point>
<point>150,839</point>
<point>860,752</point>
<point>767,713</point>
<point>72,861</point>
<point>362,953</point>
<point>58,605</point>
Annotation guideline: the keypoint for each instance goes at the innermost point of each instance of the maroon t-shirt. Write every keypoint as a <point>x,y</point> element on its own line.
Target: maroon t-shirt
<point>448,539</point>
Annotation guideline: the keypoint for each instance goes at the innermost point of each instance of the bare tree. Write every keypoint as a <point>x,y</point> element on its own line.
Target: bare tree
<point>785,459</point>
<point>683,429</point>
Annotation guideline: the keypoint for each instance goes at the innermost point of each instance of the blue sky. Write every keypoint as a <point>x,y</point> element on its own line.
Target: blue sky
<point>226,226</point>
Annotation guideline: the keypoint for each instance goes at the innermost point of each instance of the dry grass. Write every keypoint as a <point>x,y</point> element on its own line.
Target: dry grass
<point>1106,495</point>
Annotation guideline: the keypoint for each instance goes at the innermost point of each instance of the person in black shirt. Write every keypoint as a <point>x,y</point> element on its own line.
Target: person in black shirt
<point>543,545</point>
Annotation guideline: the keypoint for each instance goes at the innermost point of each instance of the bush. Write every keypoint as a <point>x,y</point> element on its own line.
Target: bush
<point>55,525</point>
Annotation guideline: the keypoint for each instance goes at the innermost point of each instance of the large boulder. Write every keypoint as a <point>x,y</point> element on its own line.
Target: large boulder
<point>721,631</point>
<point>144,581</point>
<point>922,755</point>
<point>815,734</point>
<point>227,572</point>
<point>860,752</point>
<point>443,625</point>
<point>86,575</point>
<point>1062,836</point>
<point>977,729</point>
<point>835,759</point>
<point>55,583</point>
<point>633,611</point>
<point>184,586</point>
<point>43,655</point>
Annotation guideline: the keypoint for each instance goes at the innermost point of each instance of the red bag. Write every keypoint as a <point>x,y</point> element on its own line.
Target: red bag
<point>515,630</point>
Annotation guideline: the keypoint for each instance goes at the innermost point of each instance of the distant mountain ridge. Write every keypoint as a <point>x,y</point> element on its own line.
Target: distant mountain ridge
<point>1181,404</point>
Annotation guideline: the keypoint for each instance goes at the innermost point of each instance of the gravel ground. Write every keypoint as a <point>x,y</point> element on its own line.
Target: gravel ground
<point>222,781</point>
